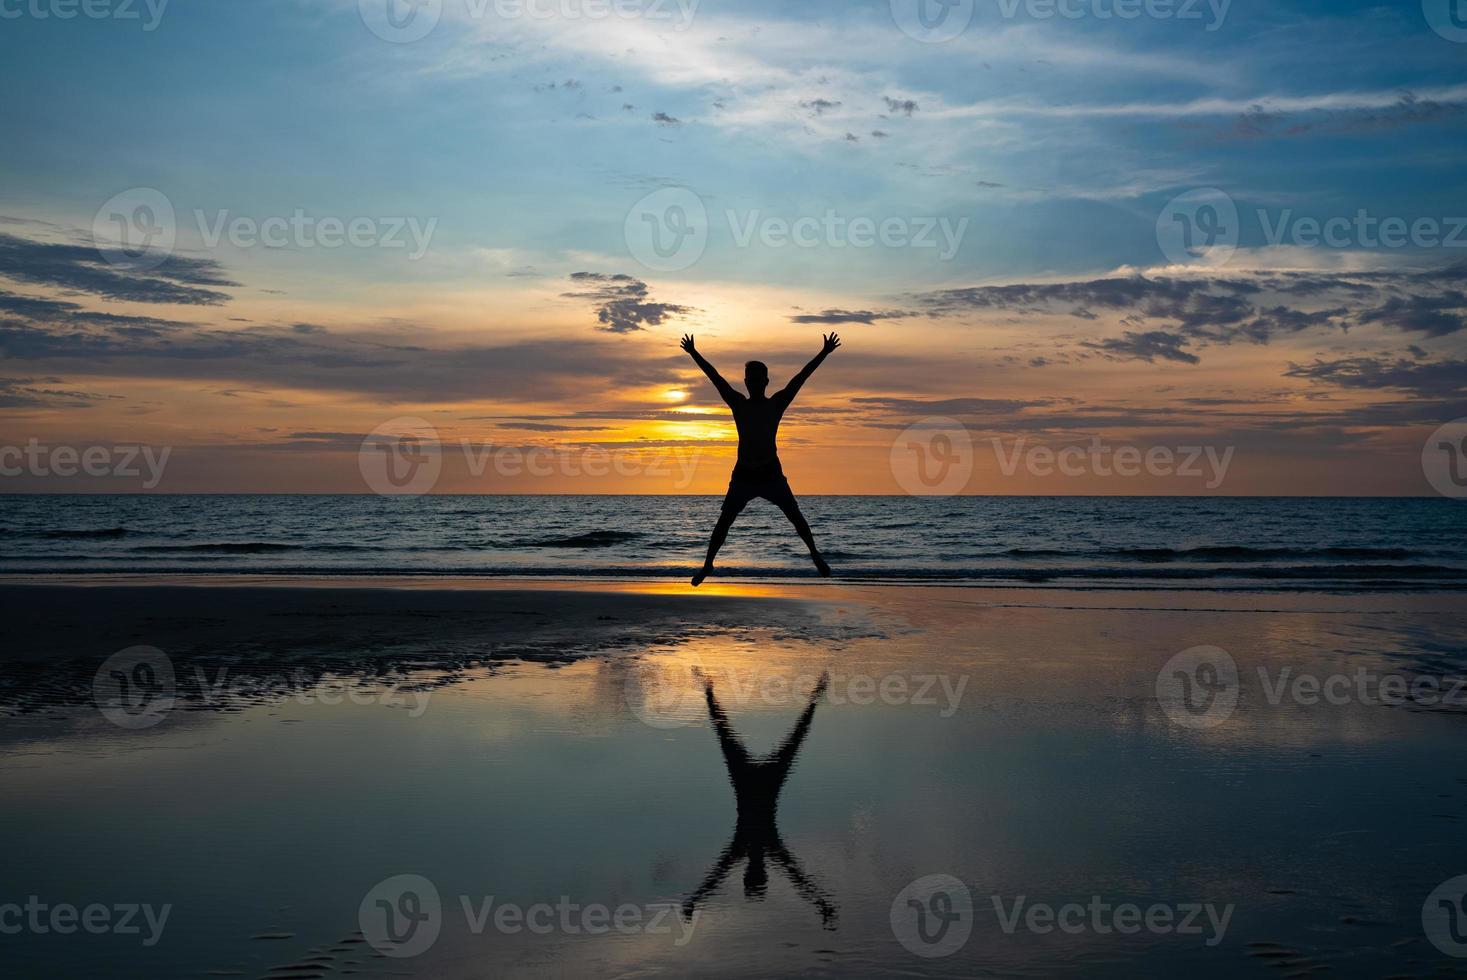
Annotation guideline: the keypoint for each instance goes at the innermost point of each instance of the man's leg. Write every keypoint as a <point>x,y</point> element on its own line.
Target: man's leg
<point>733,504</point>
<point>784,499</point>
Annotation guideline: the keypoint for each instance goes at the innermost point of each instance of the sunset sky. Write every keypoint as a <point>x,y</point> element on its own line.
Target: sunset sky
<point>1015,263</point>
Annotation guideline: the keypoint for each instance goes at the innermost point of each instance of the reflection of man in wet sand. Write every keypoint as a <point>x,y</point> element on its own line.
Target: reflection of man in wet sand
<point>756,784</point>
<point>757,472</point>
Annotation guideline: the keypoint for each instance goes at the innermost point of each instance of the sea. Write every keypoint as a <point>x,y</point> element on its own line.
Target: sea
<point>1289,543</point>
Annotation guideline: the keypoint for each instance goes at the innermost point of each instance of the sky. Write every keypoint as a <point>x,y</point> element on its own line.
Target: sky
<point>259,234</point>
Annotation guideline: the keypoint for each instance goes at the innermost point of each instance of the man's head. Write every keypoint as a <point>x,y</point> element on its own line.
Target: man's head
<point>756,377</point>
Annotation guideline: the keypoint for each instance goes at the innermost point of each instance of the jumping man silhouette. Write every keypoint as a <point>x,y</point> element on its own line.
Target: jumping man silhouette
<point>757,472</point>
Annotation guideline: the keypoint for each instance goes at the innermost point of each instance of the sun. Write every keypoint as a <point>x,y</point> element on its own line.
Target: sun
<point>674,395</point>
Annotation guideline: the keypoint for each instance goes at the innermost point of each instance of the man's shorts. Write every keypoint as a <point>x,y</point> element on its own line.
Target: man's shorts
<point>758,480</point>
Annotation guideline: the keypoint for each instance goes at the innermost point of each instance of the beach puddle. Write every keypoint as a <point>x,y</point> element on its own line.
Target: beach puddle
<point>924,781</point>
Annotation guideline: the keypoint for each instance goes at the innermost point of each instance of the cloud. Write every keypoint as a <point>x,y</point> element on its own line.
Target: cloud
<point>950,406</point>
<point>621,302</point>
<point>30,306</point>
<point>1432,379</point>
<point>1129,292</point>
<point>613,415</point>
<point>903,107</point>
<point>73,314</point>
<point>1268,322</point>
<point>1408,109</point>
<point>552,427</point>
<point>40,340</point>
<point>849,316</point>
<point>1434,316</point>
<point>378,363</point>
<point>1242,307</point>
<point>663,119</point>
<point>1251,423</point>
<point>176,280</point>
<point>22,393</point>
<point>1144,346</point>
<point>1344,103</point>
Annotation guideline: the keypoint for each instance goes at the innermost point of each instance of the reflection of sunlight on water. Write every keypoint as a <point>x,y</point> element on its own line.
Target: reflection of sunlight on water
<point>667,689</point>
<point>712,586</point>
<point>661,688</point>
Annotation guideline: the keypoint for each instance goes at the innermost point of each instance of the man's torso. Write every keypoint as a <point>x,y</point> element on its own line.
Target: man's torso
<point>758,423</point>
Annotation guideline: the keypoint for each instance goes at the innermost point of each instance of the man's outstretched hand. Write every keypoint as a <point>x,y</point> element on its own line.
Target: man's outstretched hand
<point>831,343</point>
<point>820,687</point>
<point>687,343</point>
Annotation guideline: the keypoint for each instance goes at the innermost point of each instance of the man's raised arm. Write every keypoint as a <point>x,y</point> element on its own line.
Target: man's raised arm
<point>792,389</point>
<point>725,390</point>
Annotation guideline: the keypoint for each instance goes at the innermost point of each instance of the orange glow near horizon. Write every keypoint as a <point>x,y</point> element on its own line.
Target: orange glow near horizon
<point>293,432</point>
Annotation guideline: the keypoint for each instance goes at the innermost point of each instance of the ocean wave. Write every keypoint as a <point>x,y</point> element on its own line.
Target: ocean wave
<point>1266,572</point>
<point>1213,553</point>
<point>270,547</point>
<point>591,539</point>
<point>273,547</point>
<point>1303,577</point>
<point>1049,542</point>
<point>69,534</point>
<point>252,548</point>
